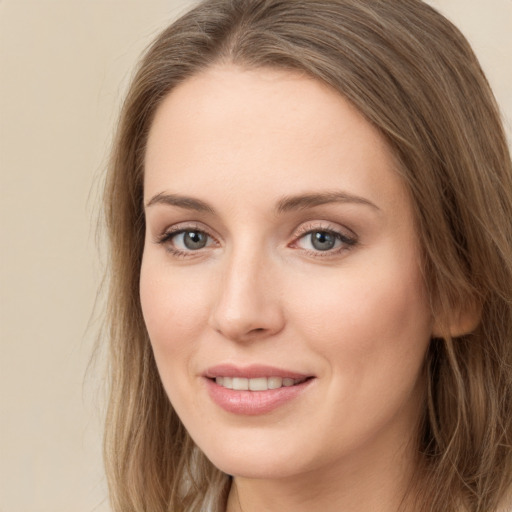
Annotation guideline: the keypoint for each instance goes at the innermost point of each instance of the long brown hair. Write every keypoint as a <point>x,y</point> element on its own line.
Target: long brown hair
<point>414,76</point>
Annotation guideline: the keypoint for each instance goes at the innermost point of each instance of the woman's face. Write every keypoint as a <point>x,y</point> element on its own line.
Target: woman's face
<point>281,256</point>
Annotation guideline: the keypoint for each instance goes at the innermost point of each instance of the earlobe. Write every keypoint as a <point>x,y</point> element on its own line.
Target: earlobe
<point>459,322</point>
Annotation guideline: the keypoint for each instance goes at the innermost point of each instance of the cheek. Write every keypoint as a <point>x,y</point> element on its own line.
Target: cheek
<point>372,331</point>
<point>174,309</point>
<point>175,314</point>
<point>368,320</point>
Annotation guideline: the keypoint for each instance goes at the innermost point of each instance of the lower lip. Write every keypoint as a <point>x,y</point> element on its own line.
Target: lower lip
<point>251,403</point>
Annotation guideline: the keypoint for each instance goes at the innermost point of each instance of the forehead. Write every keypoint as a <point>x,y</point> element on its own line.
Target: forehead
<point>264,129</point>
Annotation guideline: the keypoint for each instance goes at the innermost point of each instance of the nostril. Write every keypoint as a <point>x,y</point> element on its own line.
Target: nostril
<point>257,332</point>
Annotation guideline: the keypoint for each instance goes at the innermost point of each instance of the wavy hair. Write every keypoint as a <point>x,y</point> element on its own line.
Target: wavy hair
<point>413,75</point>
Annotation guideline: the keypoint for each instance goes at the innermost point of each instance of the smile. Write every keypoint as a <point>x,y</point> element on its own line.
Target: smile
<point>256,389</point>
<point>256,384</point>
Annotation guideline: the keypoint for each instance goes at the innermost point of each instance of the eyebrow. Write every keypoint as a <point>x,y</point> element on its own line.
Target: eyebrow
<point>286,204</point>
<point>187,203</point>
<point>302,202</point>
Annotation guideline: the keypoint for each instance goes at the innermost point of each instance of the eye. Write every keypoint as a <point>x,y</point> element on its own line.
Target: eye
<point>185,241</point>
<point>190,240</point>
<point>321,240</point>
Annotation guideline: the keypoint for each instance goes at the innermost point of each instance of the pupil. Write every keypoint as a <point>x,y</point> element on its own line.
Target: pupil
<point>322,240</point>
<point>194,240</point>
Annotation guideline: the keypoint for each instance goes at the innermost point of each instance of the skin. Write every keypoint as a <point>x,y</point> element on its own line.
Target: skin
<point>259,292</point>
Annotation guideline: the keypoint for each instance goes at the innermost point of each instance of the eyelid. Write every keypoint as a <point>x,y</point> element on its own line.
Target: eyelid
<point>311,226</point>
<point>348,238</point>
<point>165,237</point>
<point>179,228</point>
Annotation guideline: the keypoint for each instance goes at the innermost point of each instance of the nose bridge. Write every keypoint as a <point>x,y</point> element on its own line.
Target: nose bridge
<point>247,300</point>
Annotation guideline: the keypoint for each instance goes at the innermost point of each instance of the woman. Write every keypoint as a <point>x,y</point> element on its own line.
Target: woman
<point>309,206</point>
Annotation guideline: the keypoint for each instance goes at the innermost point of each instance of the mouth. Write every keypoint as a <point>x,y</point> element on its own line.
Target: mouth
<point>258,383</point>
<point>254,390</point>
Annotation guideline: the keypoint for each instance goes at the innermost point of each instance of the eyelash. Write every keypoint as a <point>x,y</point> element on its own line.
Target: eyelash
<point>167,237</point>
<point>347,241</point>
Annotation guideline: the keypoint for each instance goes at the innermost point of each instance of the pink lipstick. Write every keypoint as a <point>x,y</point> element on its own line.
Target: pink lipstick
<point>255,389</point>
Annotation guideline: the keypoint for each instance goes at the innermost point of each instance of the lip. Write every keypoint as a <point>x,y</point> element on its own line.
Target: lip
<point>252,403</point>
<point>251,372</point>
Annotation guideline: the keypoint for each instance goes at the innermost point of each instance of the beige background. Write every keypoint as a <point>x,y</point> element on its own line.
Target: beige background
<point>63,68</point>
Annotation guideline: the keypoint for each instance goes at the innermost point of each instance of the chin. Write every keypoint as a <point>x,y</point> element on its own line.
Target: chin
<point>258,470</point>
<point>256,462</point>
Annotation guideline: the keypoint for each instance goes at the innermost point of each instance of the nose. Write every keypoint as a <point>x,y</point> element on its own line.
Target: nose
<point>248,305</point>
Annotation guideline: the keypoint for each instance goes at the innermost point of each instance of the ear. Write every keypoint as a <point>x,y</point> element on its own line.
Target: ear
<point>459,322</point>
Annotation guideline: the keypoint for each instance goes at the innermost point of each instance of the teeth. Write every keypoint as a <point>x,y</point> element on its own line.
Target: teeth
<point>274,382</point>
<point>257,384</point>
<point>240,384</point>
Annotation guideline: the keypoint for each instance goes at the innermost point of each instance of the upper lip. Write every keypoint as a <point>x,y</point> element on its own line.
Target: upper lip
<point>253,371</point>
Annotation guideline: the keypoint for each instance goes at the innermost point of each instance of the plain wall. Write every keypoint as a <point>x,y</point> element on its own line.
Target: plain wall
<point>64,66</point>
